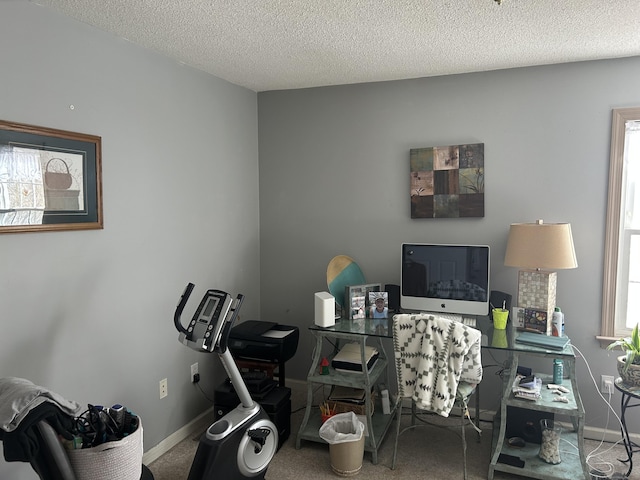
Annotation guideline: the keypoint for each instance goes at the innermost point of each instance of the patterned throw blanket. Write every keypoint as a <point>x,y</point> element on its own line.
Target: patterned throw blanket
<point>433,357</point>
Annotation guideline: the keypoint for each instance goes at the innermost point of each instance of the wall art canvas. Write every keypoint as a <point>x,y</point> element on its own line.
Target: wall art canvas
<point>447,182</point>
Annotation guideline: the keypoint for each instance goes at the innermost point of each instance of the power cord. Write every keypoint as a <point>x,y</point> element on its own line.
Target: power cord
<point>203,392</point>
<point>600,466</point>
<point>97,425</point>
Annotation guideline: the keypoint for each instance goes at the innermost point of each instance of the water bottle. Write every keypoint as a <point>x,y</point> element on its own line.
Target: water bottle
<point>557,323</point>
<point>557,371</point>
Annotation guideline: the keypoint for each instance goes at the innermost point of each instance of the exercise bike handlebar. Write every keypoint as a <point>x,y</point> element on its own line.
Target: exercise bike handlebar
<point>209,331</point>
<point>227,359</point>
<point>224,336</point>
<point>180,308</point>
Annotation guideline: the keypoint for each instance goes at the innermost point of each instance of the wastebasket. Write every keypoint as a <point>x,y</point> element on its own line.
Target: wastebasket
<point>345,435</point>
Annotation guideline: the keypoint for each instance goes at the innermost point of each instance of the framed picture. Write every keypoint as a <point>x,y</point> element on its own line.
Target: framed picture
<point>50,180</point>
<point>378,305</point>
<point>447,182</point>
<point>517,315</point>
<point>357,299</point>
<point>531,319</point>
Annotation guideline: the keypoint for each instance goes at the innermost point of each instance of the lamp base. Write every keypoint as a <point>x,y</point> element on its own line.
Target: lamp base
<point>537,289</point>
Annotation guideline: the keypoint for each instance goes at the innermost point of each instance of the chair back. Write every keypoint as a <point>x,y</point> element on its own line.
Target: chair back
<point>433,355</point>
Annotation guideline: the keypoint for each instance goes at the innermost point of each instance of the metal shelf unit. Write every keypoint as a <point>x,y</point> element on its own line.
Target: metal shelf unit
<point>571,465</point>
<point>377,423</point>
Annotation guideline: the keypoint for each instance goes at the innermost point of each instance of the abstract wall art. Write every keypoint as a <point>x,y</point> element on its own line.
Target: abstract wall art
<point>447,182</point>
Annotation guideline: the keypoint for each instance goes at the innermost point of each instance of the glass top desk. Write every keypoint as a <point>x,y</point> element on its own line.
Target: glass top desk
<point>491,339</point>
<point>505,340</point>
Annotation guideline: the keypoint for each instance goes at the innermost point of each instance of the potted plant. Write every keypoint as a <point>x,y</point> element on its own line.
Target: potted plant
<point>629,363</point>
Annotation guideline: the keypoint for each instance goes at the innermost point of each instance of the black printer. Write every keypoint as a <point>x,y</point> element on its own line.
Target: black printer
<point>265,342</point>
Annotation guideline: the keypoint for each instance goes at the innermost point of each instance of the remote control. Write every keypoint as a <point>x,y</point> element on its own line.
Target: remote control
<point>511,460</point>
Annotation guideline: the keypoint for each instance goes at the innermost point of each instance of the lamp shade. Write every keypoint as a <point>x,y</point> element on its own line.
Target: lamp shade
<point>545,246</point>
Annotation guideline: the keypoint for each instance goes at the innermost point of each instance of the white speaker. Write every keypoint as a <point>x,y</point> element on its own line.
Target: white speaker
<point>325,309</point>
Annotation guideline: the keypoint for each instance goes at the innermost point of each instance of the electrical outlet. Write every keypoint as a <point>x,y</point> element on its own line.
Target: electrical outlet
<point>163,388</point>
<point>606,384</point>
<point>194,372</point>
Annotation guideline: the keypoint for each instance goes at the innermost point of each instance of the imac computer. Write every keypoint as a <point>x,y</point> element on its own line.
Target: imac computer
<point>448,279</point>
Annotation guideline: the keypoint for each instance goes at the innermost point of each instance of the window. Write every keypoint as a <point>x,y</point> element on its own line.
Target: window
<point>621,283</point>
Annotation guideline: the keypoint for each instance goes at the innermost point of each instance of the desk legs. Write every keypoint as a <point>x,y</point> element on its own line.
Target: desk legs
<point>315,361</point>
<point>476,415</point>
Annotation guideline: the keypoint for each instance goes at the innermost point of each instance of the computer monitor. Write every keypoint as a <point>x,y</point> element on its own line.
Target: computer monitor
<point>445,278</point>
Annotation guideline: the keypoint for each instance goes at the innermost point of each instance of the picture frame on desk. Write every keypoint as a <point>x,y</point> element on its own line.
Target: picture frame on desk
<point>357,299</point>
<point>517,317</point>
<point>531,319</point>
<point>375,298</point>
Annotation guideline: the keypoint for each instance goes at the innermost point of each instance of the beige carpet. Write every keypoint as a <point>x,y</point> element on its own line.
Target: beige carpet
<point>430,452</point>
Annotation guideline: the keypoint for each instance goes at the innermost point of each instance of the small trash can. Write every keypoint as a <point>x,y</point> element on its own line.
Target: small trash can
<point>345,435</point>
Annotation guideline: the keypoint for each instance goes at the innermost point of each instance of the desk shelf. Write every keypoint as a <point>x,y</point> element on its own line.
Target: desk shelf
<point>572,463</point>
<point>377,423</point>
<point>534,466</point>
<point>347,379</point>
<point>546,402</point>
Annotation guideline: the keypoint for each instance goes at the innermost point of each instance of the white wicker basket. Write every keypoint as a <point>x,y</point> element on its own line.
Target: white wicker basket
<point>117,460</point>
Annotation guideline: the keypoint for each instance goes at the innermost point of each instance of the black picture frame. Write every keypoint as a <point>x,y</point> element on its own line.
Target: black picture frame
<point>356,299</point>
<point>62,192</point>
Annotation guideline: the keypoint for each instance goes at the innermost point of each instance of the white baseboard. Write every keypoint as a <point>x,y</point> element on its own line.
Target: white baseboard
<point>197,425</point>
<point>202,421</point>
<point>613,436</point>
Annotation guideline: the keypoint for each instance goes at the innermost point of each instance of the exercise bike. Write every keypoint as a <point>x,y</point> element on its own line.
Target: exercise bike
<point>241,444</point>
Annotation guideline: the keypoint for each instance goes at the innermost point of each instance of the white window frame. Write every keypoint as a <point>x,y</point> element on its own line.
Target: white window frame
<point>616,254</point>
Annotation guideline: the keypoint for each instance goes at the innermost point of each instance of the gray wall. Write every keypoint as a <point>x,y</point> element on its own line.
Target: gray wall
<point>89,314</point>
<point>334,179</point>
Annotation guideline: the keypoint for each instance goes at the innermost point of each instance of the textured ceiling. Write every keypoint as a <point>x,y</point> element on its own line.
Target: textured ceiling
<point>284,44</point>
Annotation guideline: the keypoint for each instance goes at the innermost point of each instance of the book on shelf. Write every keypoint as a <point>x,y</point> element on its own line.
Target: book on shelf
<point>347,394</point>
<point>349,358</point>
<point>532,392</point>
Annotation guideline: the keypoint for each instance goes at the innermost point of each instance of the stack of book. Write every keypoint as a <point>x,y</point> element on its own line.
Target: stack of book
<point>348,399</point>
<point>530,390</point>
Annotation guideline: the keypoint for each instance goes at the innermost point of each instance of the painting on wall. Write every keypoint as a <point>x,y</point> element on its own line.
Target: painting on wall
<point>50,179</point>
<point>447,182</point>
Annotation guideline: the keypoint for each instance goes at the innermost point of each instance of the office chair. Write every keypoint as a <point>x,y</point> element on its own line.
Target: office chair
<point>438,365</point>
